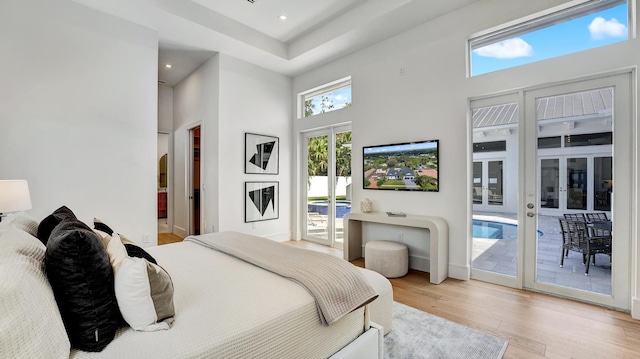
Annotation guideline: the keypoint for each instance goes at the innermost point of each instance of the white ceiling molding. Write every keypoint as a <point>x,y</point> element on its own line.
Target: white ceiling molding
<point>315,32</point>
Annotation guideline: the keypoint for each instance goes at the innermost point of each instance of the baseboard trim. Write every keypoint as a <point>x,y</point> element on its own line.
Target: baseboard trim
<point>635,308</point>
<point>278,237</point>
<point>180,231</point>
<point>457,271</point>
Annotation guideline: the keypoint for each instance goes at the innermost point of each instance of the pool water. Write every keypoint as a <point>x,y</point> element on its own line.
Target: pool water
<point>495,230</point>
<point>321,207</point>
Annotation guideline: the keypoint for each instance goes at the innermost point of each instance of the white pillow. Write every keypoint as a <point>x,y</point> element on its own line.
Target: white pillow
<point>144,291</point>
<point>30,323</point>
<point>21,220</point>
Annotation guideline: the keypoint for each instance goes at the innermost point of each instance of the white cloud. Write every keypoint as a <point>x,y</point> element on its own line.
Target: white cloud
<point>601,28</point>
<point>507,49</point>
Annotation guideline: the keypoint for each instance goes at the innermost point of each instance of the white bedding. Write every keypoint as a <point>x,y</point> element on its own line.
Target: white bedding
<point>227,308</point>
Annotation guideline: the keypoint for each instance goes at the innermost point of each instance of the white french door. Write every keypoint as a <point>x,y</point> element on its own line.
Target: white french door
<point>575,183</point>
<point>590,122</point>
<point>567,145</point>
<point>327,178</point>
<point>488,184</point>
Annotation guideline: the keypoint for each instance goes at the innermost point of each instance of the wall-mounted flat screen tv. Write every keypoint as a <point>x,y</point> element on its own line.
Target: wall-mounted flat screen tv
<point>411,166</point>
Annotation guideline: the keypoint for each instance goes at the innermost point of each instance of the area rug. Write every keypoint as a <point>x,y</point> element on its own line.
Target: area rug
<point>417,335</point>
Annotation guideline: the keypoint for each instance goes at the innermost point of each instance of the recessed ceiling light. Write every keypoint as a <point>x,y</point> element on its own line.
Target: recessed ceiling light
<point>168,66</point>
<point>282,17</point>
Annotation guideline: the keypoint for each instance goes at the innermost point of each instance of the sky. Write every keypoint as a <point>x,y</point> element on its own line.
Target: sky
<point>339,97</point>
<point>594,30</point>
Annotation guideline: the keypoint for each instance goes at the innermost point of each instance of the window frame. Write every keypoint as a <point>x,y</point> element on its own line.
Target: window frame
<point>332,86</point>
<point>546,18</point>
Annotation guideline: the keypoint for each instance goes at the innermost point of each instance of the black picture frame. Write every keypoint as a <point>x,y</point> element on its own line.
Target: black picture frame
<point>261,154</point>
<point>261,201</point>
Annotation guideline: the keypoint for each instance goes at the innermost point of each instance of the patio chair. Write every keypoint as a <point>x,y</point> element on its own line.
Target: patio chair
<point>576,237</point>
<point>595,231</point>
<point>578,217</point>
<point>316,220</point>
<point>597,217</point>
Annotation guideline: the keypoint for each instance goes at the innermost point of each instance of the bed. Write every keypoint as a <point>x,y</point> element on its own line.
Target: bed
<point>224,308</point>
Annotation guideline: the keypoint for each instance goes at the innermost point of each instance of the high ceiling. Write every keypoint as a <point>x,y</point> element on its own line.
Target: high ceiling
<point>314,33</point>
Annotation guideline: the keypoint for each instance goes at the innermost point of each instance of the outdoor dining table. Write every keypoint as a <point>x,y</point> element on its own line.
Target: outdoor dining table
<point>604,225</point>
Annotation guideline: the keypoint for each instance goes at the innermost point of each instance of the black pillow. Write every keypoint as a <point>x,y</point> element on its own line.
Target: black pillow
<point>50,222</point>
<point>101,226</point>
<point>80,274</point>
<point>135,251</point>
<point>132,249</point>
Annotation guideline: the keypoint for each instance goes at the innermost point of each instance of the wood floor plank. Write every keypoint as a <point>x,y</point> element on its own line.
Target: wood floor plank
<point>166,238</point>
<point>535,325</point>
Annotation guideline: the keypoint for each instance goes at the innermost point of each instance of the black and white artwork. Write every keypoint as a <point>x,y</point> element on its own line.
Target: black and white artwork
<point>261,154</point>
<point>260,201</point>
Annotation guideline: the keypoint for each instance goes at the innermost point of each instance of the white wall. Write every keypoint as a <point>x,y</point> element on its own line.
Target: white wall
<point>196,104</point>
<point>78,112</point>
<point>230,97</point>
<point>253,100</point>
<point>431,100</point>
<point>165,108</point>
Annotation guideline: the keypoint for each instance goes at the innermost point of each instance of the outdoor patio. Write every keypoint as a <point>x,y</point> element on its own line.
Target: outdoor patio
<point>500,256</point>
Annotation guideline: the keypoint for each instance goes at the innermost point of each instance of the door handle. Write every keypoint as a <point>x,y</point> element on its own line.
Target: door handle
<point>530,214</point>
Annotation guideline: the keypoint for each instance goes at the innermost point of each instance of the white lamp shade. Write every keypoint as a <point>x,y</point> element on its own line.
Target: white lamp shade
<point>14,196</point>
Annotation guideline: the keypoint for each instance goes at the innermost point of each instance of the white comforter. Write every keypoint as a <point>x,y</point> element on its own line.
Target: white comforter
<point>227,308</point>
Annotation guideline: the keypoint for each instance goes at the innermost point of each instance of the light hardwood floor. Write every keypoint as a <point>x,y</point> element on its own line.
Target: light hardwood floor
<point>536,325</point>
<point>166,238</point>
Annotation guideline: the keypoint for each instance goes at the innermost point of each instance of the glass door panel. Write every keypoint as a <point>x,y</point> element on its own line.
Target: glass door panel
<point>602,183</point>
<point>549,183</point>
<point>495,232</point>
<point>577,183</point>
<point>488,185</point>
<point>478,184</point>
<point>495,189</point>
<point>575,176</point>
<point>343,182</point>
<point>328,181</point>
<point>318,204</point>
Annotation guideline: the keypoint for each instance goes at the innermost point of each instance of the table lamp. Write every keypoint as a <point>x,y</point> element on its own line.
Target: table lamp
<point>14,196</point>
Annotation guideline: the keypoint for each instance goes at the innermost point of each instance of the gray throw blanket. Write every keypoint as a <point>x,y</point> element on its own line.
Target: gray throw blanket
<point>337,285</point>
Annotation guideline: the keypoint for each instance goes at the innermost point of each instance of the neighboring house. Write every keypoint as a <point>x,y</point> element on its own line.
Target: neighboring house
<point>407,173</point>
<point>393,173</point>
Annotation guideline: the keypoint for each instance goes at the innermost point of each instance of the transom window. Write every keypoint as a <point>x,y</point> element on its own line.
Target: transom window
<point>326,98</point>
<point>587,25</point>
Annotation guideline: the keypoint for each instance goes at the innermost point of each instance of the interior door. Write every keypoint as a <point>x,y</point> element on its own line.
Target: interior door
<point>328,182</point>
<point>194,181</point>
<point>589,121</point>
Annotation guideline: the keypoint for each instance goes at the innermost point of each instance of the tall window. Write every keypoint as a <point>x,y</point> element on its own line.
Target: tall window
<point>330,97</point>
<point>588,25</point>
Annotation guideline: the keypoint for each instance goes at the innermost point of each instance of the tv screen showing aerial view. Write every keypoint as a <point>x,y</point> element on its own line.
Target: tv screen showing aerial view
<point>402,167</point>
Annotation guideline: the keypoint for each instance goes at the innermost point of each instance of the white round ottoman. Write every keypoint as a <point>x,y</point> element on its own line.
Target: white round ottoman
<point>391,259</point>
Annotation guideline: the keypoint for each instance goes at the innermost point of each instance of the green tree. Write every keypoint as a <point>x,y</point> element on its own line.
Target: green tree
<point>343,154</point>
<point>326,105</point>
<point>318,156</point>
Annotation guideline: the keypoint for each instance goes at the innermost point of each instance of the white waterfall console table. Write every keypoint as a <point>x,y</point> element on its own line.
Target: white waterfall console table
<point>438,232</point>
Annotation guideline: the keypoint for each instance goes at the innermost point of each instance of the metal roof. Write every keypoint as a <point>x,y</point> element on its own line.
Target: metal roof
<point>548,108</point>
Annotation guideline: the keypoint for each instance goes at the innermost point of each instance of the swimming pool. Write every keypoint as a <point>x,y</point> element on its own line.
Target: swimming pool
<point>496,228</point>
<point>321,207</point>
